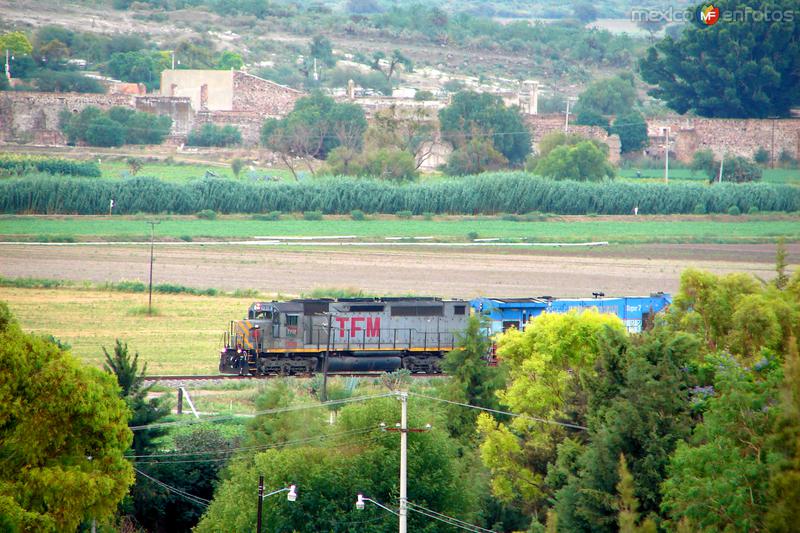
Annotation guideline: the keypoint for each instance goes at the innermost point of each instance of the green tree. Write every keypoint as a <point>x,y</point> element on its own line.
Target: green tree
<point>719,481</point>
<point>472,115</point>
<point>475,156</point>
<point>638,406</point>
<point>63,432</point>
<point>472,380</point>
<point>139,66</point>
<point>632,130</point>
<point>388,164</point>
<point>755,71</point>
<point>610,96</point>
<point>321,49</point>
<point>237,164</point>
<point>125,368</point>
<point>547,366</point>
<point>589,117</point>
<point>583,162</point>
<point>783,513</point>
<point>212,135</point>
<point>135,164</point>
<point>229,60</point>
<point>389,65</point>
<point>315,126</point>
<point>351,457</point>
<point>16,43</point>
<point>103,131</point>
<point>628,504</point>
<point>194,468</point>
<point>585,12</point>
<point>781,279</point>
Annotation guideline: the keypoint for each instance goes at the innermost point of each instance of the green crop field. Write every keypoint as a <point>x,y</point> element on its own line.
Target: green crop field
<point>641,229</point>
<point>185,337</point>
<point>780,176</point>
<point>183,172</point>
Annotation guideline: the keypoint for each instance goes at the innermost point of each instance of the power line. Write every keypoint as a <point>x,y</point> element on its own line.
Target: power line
<point>363,439</point>
<point>496,411</point>
<point>447,519</point>
<point>258,447</point>
<point>259,413</point>
<point>191,497</point>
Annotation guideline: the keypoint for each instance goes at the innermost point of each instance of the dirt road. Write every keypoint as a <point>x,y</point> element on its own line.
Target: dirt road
<point>450,272</point>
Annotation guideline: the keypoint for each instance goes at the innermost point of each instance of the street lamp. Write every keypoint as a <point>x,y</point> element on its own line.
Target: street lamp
<point>361,503</point>
<point>291,496</point>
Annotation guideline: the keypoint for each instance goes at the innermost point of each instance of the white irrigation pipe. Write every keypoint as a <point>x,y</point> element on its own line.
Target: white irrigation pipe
<point>316,243</point>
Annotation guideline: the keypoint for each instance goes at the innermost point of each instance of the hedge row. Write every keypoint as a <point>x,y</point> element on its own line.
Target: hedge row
<point>486,194</point>
<point>19,165</point>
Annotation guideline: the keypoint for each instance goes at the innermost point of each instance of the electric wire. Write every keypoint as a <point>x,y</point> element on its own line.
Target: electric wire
<point>259,413</point>
<point>191,497</point>
<point>446,519</point>
<point>256,447</point>
<point>496,411</point>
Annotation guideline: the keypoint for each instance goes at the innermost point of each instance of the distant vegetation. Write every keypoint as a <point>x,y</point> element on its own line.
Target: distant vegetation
<point>18,165</point>
<point>115,127</point>
<point>488,193</point>
<point>213,135</point>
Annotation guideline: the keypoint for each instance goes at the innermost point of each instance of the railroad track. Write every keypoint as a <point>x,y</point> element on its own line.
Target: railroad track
<point>196,377</point>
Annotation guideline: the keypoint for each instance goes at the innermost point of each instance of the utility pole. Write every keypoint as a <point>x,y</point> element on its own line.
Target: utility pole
<point>403,460</point>
<point>721,164</point>
<point>566,117</point>
<point>325,362</point>
<point>150,295</point>
<point>772,146</point>
<point>666,155</point>
<point>260,501</point>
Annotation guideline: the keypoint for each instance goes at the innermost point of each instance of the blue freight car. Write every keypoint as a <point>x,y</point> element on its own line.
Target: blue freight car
<point>635,311</point>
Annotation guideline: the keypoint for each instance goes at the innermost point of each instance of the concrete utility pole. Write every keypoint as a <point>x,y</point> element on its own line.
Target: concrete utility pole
<point>150,295</point>
<point>666,155</point>
<point>566,117</point>
<point>403,461</point>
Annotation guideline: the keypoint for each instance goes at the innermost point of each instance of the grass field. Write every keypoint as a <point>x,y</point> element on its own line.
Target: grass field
<point>779,176</point>
<point>183,172</point>
<point>626,229</point>
<point>184,338</point>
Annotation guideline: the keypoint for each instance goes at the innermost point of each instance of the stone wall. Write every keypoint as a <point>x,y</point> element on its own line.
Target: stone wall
<point>725,136</point>
<point>541,125</point>
<point>248,123</point>
<point>263,97</point>
<point>178,108</point>
<point>33,116</point>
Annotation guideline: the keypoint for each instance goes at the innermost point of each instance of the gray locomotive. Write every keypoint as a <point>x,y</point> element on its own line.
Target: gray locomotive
<point>345,334</point>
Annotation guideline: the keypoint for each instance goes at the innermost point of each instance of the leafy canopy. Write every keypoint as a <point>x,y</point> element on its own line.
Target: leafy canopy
<point>483,115</point>
<point>63,432</point>
<point>740,68</point>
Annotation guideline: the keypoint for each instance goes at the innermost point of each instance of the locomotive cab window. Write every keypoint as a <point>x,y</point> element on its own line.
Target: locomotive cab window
<point>262,315</point>
<point>459,309</point>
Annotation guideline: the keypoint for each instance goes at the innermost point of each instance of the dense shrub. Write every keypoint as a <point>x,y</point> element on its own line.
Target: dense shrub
<point>312,215</point>
<point>488,193</point>
<point>213,135</point>
<point>19,165</point>
<point>115,127</point>
<point>357,214</point>
<point>67,81</point>
<point>207,214</point>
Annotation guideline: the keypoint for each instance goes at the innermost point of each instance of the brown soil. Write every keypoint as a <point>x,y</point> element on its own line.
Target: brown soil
<point>464,273</point>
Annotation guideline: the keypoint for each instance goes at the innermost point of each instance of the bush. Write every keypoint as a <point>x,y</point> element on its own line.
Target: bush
<point>20,165</point>
<point>357,214</point>
<point>699,209</point>
<point>207,214</point>
<point>734,210</point>
<point>312,215</point>
<point>213,135</point>
<point>472,235</point>
<point>404,214</point>
<point>787,160</point>
<point>67,81</point>
<point>427,215</point>
<point>272,215</point>
<point>117,126</point>
<point>761,156</point>
<point>753,211</point>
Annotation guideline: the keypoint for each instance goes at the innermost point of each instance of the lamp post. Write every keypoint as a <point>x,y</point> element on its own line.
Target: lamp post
<point>666,155</point>
<point>291,496</point>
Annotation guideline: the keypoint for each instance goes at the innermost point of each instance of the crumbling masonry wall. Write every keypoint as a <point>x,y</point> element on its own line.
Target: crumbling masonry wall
<point>541,125</point>
<point>725,136</point>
